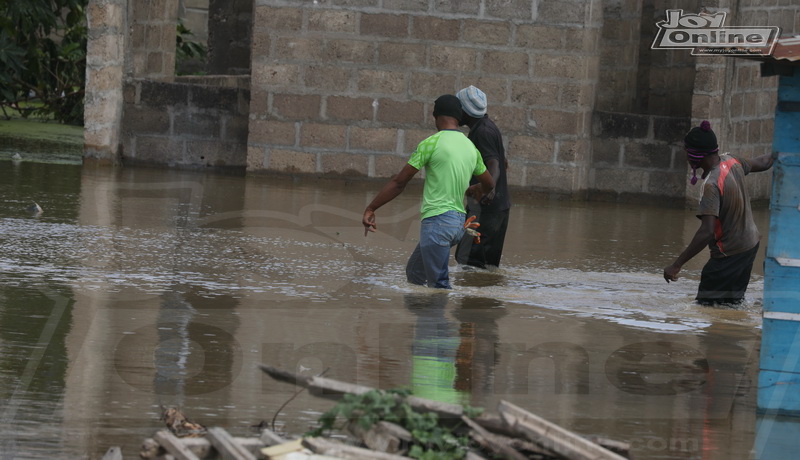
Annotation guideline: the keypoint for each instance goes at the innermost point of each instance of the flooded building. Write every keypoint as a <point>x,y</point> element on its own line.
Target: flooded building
<point>588,108</point>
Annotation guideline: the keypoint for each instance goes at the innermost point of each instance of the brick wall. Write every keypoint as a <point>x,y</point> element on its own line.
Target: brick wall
<point>152,38</point>
<point>340,88</point>
<point>638,158</point>
<point>194,122</point>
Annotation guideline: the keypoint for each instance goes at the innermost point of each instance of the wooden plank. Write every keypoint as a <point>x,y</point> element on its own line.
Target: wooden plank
<point>552,436</point>
<point>174,446</point>
<point>113,453</point>
<point>201,447</point>
<point>226,446</point>
<point>280,450</point>
<point>337,449</point>
<point>492,443</point>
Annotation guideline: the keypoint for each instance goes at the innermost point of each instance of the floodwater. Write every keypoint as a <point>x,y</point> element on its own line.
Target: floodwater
<point>142,288</point>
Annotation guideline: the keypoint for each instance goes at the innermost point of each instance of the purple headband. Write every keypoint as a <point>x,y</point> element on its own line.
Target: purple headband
<point>696,155</point>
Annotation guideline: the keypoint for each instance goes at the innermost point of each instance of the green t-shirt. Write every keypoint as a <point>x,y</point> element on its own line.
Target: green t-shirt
<point>450,159</point>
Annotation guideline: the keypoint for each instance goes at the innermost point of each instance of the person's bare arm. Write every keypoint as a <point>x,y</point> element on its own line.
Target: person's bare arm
<point>761,163</point>
<point>484,187</point>
<point>390,191</point>
<point>701,239</point>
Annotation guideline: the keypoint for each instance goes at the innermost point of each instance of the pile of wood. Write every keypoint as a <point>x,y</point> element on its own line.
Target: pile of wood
<point>512,433</point>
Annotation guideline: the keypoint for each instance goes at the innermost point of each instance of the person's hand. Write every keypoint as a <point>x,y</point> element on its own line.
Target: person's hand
<point>369,221</point>
<point>487,199</point>
<point>476,191</point>
<point>671,273</point>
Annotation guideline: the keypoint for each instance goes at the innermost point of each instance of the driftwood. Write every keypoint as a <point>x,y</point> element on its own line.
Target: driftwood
<point>552,436</point>
<point>174,446</point>
<point>202,447</point>
<point>227,446</point>
<point>344,451</point>
<point>113,453</point>
<point>509,435</point>
<point>383,436</point>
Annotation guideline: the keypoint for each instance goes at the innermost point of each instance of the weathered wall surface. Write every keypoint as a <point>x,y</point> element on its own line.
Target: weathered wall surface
<point>193,122</point>
<point>347,88</point>
<point>636,157</point>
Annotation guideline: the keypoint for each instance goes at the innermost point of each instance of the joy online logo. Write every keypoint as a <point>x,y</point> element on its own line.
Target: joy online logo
<point>705,35</point>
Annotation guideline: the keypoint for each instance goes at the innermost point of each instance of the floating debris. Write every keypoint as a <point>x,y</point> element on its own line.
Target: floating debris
<point>16,157</point>
<point>35,209</point>
<point>512,433</point>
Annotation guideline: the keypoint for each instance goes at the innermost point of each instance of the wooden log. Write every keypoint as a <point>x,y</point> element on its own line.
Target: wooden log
<point>174,446</point>
<point>492,442</point>
<point>622,448</point>
<point>337,449</point>
<point>113,453</point>
<point>552,436</point>
<point>201,447</point>
<point>382,436</point>
<point>227,446</point>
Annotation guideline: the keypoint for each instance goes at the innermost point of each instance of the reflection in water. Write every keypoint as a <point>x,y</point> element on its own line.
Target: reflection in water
<point>138,287</point>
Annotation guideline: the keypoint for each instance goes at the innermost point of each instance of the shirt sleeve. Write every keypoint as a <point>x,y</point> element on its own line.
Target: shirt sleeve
<point>746,166</point>
<point>422,154</point>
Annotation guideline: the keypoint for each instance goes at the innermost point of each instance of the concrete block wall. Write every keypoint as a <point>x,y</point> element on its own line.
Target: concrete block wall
<point>193,122</point>
<point>348,88</point>
<point>732,94</point>
<point>105,69</point>
<point>152,38</point>
<point>638,157</point>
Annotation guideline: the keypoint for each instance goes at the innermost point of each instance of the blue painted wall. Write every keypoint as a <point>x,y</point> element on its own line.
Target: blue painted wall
<point>779,378</point>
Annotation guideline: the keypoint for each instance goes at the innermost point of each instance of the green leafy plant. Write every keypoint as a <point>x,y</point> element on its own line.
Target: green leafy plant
<point>43,54</point>
<point>431,440</point>
<point>185,49</point>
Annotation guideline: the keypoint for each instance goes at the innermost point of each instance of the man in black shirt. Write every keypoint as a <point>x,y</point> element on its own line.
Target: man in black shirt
<point>493,210</point>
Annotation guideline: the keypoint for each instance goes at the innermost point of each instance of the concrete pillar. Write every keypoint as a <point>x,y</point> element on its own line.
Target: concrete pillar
<point>153,32</point>
<point>230,25</point>
<point>105,63</point>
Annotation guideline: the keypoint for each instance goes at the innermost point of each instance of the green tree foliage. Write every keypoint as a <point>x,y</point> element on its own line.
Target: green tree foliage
<point>43,58</point>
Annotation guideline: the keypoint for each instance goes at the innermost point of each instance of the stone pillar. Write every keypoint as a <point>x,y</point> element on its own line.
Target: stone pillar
<point>153,34</point>
<point>107,22</point>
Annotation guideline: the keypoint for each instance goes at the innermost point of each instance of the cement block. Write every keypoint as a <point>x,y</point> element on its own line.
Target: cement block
<point>341,21</point>
<point>328,78</point>
<point>518,10</point>
<point>412,138</point>
<point>407,55</point>
<point>354,51</point>
<point>384,25</point>
<point>487,33</point>
<point>388,165</point>
<point>510,119</point>
<point>573,151</point>
<point>278,19</point>
<point>495,88</point>
<point>453,58</point>
<point>322,135</point>
<point>162,95</point>
<point>618,180</point>
<point>555,122</point>
<point>402,112</point>
<point>641,154</point>
<point>449,6</point>
<point>559,66</point>
<point>256,158</point>
<point>216,154</point>
<point>539,37</point>
<point>535,93</point>
<point>666,183</point>
<point>383,82</point>
<point>566,13</point>
<point>606,152</point>
<point>197,125</point>
<point>275,75</point>
<point>292,161</point>
<point>105,50</point>
<point>436,29</point>
<point>296,106</point>
<point>104,15</point>
<point>299,48</point>
<point>145,120</point>
<point>272,132</point>
<point>344,164</point>
<point>615,125</point>
<point>235,129</point>
<point>429,86</point>
<point>506,63</point>
<point>157,150</point>
<point>215,98</point>
<point>406,5</point>
<point>670,129</point>
<point>108,78</point>
<point>526,149</point>
<point>373,139</point>
<point>553,178</point>
<point>343,108</point>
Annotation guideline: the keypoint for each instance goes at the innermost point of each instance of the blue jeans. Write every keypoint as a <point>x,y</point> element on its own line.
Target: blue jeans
<point>428,263</point>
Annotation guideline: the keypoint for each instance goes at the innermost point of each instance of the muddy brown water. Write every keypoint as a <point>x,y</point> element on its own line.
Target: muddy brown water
<point>139,288</point>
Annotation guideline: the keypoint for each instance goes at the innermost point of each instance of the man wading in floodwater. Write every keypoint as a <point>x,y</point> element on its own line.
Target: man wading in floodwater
<point>726,221</point>
<point>450,160</point>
